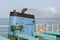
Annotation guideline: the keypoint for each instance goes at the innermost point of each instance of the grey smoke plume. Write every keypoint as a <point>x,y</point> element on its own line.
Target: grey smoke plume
<point>49,13</point>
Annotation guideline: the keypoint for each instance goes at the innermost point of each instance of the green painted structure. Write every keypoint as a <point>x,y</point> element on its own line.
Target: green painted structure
<point>45,36</point>
<point>52,33</point>
<point>27,37</point>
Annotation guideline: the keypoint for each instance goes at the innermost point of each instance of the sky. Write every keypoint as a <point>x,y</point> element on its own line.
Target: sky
<point>40,8</point>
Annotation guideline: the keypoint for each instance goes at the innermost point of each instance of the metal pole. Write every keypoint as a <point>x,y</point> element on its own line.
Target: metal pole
<point>47,27</point>
<point>52,27</point>
<point>57,28</point>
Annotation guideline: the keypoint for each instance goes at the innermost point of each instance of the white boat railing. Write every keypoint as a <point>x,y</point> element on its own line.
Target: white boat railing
<point>49,27</point>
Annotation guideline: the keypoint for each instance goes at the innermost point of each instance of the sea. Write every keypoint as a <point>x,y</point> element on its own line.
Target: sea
<point>4,24</point>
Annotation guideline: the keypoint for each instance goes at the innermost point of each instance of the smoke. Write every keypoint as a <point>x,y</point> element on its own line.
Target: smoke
<point>46,13</point>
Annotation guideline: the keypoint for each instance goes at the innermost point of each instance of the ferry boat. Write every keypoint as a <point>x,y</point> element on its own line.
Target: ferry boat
<point>22,27</point>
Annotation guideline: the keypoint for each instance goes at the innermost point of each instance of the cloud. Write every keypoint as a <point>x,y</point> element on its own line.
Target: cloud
<point>52,9</point>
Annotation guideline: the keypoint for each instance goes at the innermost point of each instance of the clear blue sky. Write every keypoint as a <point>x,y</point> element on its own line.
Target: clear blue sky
<point>48,8</point>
